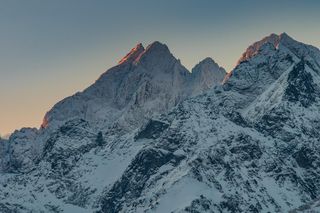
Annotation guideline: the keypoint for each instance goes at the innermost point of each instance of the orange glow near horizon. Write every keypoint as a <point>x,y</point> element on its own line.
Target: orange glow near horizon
<point>46,56</point>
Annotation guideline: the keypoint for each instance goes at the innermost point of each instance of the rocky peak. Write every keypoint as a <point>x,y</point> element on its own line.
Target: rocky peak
<point>157,46</point>
<point>133,54</point>
<point>208,65</point>
<point>206,74</point>
<point>264,62</point>
<point>156,56</point>
<point>253,49</point>
<point>284,36</point>
<point>205,62</point>
<point>271,42</point>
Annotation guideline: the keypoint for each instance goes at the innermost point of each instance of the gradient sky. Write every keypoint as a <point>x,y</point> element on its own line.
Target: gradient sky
<point>51,49</point>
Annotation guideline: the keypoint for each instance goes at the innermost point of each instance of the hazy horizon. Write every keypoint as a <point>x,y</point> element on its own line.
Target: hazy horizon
<point>52,49</point>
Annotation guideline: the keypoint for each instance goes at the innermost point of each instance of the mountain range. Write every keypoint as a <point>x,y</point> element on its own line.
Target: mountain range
<point>151,136</point>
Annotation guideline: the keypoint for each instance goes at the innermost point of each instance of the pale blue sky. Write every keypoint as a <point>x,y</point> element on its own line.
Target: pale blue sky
<point>51,49</point>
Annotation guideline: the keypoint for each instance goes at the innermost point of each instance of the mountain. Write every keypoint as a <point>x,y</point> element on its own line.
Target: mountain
<point>86,140</point>
<point>180,144</point>
<point>145,82</point>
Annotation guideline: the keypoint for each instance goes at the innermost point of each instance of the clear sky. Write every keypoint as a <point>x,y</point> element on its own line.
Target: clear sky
<point>49,49</point>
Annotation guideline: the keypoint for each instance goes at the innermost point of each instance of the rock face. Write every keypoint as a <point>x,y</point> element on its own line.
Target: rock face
<point>250,144</point>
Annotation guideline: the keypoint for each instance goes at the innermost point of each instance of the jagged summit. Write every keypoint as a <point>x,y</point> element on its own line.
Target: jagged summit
<point>281,43</point>
<point>208,68</point>
<point>271,41</point>
<point>207,74</point>
<point>265,61</point>
<point>156,54</point>
<point>207,60</point>
<point>284,35</point>
<point>133,54</point>
<point>206,64</point>
<point>157,46</point>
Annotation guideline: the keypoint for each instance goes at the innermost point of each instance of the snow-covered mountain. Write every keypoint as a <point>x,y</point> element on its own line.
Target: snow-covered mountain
<point>145,82</point>
<point>149,136</point>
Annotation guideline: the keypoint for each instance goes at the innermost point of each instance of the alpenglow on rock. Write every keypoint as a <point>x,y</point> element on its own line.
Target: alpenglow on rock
<point>248,145</point>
